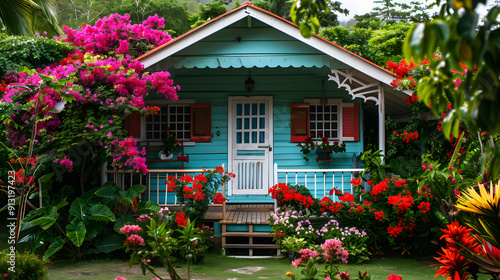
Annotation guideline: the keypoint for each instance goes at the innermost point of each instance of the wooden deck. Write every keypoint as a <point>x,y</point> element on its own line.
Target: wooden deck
<point>213,214</point>
<point>249,214</point>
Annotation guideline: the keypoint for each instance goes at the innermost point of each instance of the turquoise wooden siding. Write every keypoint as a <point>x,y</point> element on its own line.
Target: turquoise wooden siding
<point>205,82</point>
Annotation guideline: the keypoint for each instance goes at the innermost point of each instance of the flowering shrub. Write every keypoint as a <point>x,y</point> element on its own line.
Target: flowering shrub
<point>117,34</point>
<point>289,223</point>
<point>287,195</point>
<point>195,194</point>
<point>332,253</point>
<point>76,108</point>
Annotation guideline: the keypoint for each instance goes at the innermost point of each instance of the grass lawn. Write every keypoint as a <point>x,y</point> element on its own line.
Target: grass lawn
<point>216,267</point>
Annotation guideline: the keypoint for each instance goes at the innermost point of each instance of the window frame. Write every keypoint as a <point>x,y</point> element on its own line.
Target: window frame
<point>330,101</point>
<point>159,103</point>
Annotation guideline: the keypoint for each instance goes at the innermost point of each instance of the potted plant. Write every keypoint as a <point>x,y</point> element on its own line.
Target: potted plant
<point>323,149</point>
<point>169,145</point>
<point>292,245</point>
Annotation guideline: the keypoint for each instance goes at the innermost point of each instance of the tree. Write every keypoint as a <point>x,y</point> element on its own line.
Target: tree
<point>209,11</point>
<point>378,46</point>
<point>76,12</point>
<point>472,49</point>
<point>390,12</point>
<point>176,14</point>
<point>24,17</point>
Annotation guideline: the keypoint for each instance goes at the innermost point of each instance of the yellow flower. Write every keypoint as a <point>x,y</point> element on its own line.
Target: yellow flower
<point>289,273</point>
<point>482,203</point>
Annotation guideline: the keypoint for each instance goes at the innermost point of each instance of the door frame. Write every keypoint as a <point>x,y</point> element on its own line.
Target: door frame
<point>230,133</point>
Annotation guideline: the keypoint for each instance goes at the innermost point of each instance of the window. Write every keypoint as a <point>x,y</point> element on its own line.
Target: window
<point>191,122</point>
<point>324,121</point>
<point>177,117</point>
<point>335,120</point>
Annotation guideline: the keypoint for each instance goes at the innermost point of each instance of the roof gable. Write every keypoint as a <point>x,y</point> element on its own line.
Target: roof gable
<point>248,12</point>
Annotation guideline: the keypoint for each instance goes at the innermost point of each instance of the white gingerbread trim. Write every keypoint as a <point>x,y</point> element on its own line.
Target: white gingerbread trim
<point>355,87</point>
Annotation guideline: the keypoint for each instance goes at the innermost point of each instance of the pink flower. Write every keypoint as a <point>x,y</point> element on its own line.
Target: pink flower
<point>120,278</point>
<point>130,229</point>
<point>296,262</point>
<point>66,162</point>
<point>134,240</point>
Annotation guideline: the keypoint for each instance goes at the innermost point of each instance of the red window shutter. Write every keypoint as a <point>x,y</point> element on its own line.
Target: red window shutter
<point>201,122</point>
<point>299,122</point>
<point>132,125</point>
<point>350,121</point>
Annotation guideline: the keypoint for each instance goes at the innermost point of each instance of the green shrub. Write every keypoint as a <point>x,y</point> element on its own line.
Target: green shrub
<point>27,266</point>
<point>31,52</point>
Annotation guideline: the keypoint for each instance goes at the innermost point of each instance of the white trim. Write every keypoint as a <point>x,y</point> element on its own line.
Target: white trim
<point>345,79</point>
<point>223,21</point>
<point>381,119</point>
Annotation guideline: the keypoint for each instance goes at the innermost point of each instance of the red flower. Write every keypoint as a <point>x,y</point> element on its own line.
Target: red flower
<point>394,277</point>
<point>400,183</point>
<point>452,265</point>
<point>379,215</point>
<point>180,219</point>
<point>219,198</point>
<point>394,231</point>
<point>356,182</point>
<point>200,178</point>
<point>186,179</point>
<point>347,197</point>
<point>379,188</point>
<point>219,169</point>
<point>424,207</point>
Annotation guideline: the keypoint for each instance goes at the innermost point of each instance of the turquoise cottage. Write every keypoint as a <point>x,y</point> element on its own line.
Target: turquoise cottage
<point>252,88</point>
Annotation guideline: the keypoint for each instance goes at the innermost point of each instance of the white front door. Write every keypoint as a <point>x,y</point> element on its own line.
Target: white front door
<point>250,124</point>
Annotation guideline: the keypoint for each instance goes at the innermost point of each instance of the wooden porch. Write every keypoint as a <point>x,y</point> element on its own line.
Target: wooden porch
<point>256,214</point>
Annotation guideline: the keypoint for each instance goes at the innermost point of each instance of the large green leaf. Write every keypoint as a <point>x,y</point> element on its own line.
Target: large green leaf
<point>54,247</point>
<point>78,208</point>
<point>135,191</point>
<point>101,213</point>
<point>94,228</point>
<point>107,192</point>
<point>147,207</point>
<point>109,243</point>
<point>76,232</point>
<point>123,220</point>
<point>48,219</point>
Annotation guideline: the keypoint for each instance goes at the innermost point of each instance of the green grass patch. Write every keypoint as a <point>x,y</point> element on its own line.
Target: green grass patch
<point>216,267</point>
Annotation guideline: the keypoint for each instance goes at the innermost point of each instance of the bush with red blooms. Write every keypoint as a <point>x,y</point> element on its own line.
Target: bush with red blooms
<point>423,133</point>
<point>297,197</point>
<point>194,194</point>
<point>393,210</point>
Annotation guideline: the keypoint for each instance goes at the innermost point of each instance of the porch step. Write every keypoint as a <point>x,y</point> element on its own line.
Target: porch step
<point>252,246</point>
<point>248,234</point>
<point>249,240</point>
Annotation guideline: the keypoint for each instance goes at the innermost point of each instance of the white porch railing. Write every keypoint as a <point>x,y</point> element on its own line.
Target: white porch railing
<point>155,180</point>
<point>318,181</point>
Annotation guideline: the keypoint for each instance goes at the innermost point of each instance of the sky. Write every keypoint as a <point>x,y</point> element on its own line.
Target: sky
<point>360,7</point>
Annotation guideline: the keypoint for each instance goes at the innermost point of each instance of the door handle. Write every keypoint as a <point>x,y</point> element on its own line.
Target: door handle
<point>266,147</point>
<point>262,147</point>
